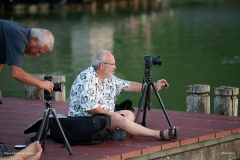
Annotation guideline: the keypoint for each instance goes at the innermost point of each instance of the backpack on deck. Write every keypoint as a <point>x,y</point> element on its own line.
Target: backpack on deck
<point>78,130</point>
<point>125,105</point>
<point>82,130</point>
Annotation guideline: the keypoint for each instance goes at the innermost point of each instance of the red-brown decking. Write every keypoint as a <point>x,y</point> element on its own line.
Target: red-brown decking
<point>17,114</point>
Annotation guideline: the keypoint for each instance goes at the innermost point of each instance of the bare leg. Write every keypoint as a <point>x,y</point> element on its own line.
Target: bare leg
<point>135,129</point>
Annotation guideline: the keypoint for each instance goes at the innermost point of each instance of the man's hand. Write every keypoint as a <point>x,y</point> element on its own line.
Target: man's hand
<point>161,84</point>
<point>47,85</point>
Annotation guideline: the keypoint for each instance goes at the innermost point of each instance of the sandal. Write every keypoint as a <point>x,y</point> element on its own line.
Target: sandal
<point>170,134</point>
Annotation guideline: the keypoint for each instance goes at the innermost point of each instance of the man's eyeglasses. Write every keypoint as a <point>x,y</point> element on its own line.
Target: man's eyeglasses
<point>113,64</point>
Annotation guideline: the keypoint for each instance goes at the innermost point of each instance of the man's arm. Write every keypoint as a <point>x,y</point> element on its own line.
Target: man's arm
<point>23,77</point>
<point>137,87</point>
<point>134,87</point>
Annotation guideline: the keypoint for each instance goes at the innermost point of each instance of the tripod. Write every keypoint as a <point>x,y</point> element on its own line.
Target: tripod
<point>148,103</point>
<point>44,125</point>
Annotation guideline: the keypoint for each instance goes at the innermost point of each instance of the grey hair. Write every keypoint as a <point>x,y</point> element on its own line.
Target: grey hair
<point>98,58</point>
<point>45,37</point>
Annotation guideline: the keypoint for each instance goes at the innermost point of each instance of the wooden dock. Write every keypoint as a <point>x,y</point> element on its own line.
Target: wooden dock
<point>198,134</point>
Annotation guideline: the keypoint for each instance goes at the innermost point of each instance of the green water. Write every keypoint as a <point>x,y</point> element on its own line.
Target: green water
<point>198,41</point>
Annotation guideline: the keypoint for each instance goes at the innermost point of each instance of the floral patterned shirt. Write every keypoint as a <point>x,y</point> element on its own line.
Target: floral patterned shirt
<point>88,93</point>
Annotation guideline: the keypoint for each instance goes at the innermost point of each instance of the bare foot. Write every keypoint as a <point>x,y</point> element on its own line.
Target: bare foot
<point>36,156</point>
<point>31,152</point>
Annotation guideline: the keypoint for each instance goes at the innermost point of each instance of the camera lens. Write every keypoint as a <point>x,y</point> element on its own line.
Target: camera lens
<point>157,60</point>
<point>57,87</point>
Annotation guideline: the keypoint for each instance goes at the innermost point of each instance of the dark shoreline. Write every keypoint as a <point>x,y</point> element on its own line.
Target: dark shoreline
<point>42,5</point>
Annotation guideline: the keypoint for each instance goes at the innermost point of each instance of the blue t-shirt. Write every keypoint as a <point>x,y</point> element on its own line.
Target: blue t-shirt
<point>14,39</point>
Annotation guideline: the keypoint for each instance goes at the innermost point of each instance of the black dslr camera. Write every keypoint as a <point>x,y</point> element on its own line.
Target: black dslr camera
<point>57,87</point>
<point>149,61</point>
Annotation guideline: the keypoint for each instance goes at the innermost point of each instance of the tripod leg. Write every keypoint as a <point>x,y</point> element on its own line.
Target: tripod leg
<point>161,103</point>
<point>147,104</point>
<point>45,130</point>
<point>46,112</point>
<point>60,127</point>
<point>144,113</point>
<point>141,101</point>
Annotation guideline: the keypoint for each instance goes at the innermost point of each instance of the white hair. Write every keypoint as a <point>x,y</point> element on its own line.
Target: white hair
<point>45,37</point>
<point>98,58</point>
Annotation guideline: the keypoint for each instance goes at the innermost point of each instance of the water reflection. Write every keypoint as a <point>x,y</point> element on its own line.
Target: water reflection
<point>198,43</point>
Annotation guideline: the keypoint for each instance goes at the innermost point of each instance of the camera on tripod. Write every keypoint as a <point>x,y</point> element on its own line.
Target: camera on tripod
<point>149,61</point>
<point>146,91</point>
<point>57,87</point>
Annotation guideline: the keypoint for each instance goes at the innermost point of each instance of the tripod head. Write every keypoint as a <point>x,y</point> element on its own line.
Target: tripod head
<point>48,104</point>
<point>148,75</point>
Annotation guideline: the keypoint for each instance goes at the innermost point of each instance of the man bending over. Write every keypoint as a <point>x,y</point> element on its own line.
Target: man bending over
<point>17,39</point>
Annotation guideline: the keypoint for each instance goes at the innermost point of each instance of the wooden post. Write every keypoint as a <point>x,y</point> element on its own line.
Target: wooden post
<point>198,100</point>
<point>226,101</point>
<point>31,92</point>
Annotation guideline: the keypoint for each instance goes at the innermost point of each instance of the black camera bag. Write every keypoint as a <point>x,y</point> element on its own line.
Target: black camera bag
<point>125,105</point>
<point>82,130</point>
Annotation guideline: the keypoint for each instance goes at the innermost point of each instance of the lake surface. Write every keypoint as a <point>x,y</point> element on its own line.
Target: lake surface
<point>198,41</point>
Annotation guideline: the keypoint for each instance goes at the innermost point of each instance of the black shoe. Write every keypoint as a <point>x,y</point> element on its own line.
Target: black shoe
<point>2,149</point>
<point>117,134</point>
<point>4,152</point>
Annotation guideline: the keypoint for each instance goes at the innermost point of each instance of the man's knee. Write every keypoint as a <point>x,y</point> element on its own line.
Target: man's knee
<point>117,120</point>
<point>128,114</point>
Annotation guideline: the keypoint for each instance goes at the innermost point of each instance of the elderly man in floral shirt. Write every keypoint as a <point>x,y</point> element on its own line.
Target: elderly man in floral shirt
<point>94,91</point>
